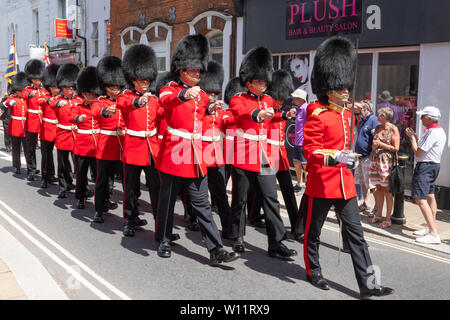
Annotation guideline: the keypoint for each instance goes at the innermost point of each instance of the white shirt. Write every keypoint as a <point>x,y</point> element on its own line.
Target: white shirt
<point>433,143</point>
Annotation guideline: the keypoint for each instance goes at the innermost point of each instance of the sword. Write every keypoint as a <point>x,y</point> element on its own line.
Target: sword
<point>354,96</point>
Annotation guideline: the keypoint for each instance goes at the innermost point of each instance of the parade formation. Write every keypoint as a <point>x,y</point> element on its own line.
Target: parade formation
<point>121,119</point>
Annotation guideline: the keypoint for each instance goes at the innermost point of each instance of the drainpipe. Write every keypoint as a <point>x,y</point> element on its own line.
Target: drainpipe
<point>85,44</point>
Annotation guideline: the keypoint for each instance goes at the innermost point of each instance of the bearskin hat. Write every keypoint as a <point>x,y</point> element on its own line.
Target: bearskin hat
<point>139,62</point>
<point>50,76</point>
<point>19,82</point>
<point>110,73</point>
<point>162,80</point>
<point>87,81</point>
<point>334,67</point>
<point>212,80</point>
<point>257,64</point>
<point>282,85</point>
<point>191,52</point>
<point>233,88</point>
<point>34,68</point>
<point>67,75</point>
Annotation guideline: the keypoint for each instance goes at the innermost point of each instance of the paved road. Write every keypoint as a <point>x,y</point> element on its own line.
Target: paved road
<point>94,261</point>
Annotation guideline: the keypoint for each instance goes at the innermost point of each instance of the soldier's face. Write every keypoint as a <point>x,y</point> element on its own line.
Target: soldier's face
<point>141,85</point>
<point>339,96</point>
<point>257,86</point>
<point>36,82</point>
<point>190,76</point>
<point>55,91</point>
<point>113,91</point>
<point>89,97</point>
<point>68,91</point>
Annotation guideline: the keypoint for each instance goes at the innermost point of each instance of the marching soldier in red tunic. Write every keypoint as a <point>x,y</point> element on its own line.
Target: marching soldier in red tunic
<point>18,109</point>
<point>48,128</point>
<point>252,112</point>
<point>180,156</point>
<point>65,133</point>
<point>112,129</point>
<point>330,181</point>
<point>141,147</point>
<point>86,136</point>
<point>35,71</point>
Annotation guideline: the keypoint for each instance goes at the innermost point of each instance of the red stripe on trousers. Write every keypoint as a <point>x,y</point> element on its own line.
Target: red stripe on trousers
<point>305,240</point>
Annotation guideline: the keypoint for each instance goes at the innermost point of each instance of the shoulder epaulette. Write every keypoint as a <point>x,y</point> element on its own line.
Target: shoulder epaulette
<point>318,111</point>
<point>172,83</point>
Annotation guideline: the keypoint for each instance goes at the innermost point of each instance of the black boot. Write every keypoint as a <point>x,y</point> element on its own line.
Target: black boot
<point>220,255</point>
<point>98,217</point>
<point>238,245</point>
<point>81,203</point>
<point>44,184</point>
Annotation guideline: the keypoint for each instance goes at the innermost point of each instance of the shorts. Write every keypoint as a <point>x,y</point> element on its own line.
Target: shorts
<point>424,178</point>
<point>298,154</point>
<point>362,173</point>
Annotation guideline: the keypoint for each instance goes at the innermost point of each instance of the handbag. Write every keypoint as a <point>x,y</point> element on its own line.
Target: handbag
<point>396,177</point>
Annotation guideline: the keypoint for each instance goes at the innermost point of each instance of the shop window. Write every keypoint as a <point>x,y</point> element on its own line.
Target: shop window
<point>363,77</point>
<point>398,77</point>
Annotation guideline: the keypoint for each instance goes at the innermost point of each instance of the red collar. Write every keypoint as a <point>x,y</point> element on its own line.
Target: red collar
<point>434,125</point>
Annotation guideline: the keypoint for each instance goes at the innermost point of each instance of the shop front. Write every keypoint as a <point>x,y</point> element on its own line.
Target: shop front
<point>403,54</point>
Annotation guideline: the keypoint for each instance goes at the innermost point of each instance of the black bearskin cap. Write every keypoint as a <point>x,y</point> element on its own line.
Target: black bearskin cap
<point>212,80</point>
<point>139,62</point>
<point>110,73</point>
<point>162,80</point>
<point>19,82</point>
<point>87,81</point>
<point>50,76</point>
<point>34,68</point>
<point>282,85</point>
<point>257,64</point>
<point>191,52</point>
<point>334,67</point>
<point>233,88</point>
<point>67,75</point>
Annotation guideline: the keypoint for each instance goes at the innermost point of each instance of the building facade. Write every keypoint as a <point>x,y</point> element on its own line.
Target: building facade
<point>162,23</point>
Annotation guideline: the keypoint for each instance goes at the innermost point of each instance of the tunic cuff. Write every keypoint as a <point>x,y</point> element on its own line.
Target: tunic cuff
<point>104,115</point>
<point>136,103</point>
<point>181,96</point>
<point>255,116</point>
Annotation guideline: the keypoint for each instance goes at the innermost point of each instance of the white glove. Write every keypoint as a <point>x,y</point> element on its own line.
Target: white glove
<point>346,156</point>
<point>12,103</point>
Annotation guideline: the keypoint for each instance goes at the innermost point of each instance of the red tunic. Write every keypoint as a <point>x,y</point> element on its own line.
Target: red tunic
<point>86,135</point>
<point>228,129</point>
<point>181,148</point>
<point>326,131</point>
<point>65,131</point>
<point>112,129</point>
<point>141,139</point>
<point>213,139</point>
<point>17,123</point>
<point>34,120</point>
<point>251,135</point>
<point>49,121</point>
<point>276,141</point>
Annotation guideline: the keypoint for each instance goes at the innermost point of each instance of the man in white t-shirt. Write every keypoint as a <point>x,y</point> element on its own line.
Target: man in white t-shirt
<point>427,151</point>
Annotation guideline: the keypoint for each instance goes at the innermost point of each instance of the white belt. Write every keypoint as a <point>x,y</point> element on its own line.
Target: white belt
<point>18,118</point>
<point>212,138</point>
<point>229,137</point>
<point>112,133</point>
<point>50,120</point>
<point>82,131</point>
<point>275,142</point>
<point>142,134</point>
<point>253,137</point>
<point>183,134</point>
<point>72,127</point>
<point>34,111</point>
<point>160,136</point>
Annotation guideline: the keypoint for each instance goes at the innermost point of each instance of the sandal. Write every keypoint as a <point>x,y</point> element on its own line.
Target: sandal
<point>385,224</point>
<point>375,219</point>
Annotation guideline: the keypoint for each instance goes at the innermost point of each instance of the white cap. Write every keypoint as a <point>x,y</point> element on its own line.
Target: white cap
<point>299,93</point>
<point>430,111</point>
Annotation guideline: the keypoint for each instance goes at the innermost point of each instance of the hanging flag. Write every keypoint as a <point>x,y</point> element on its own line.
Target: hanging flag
<point>13,61</point>
<point>63,28</point>
<point>46,55</point>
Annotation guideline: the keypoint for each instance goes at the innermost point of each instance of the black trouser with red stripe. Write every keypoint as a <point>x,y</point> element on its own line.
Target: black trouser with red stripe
<point>32,140</point>
<point>105,169</point>
<point>218,190</point>
<point>242,179</point>
<point>201,208</point>
<point>287,190</point>
<point>347,210</point>
<point>16,142</point>
<point>64,169</point>
<point>132,181</point>
<point>47,163</point>
<point>82,164</point>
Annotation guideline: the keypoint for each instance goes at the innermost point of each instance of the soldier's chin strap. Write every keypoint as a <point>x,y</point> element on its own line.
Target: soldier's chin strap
<point>339,96</point>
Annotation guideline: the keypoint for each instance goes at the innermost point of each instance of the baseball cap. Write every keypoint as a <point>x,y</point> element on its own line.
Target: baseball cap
<point>299,93</point>
<point>430,111</point>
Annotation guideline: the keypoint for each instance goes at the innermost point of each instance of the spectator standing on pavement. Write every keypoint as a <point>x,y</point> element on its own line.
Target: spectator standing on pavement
<point>300,100</point>
<point>428,151</point>
<point>386,141</point>
<point>366,129</point>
